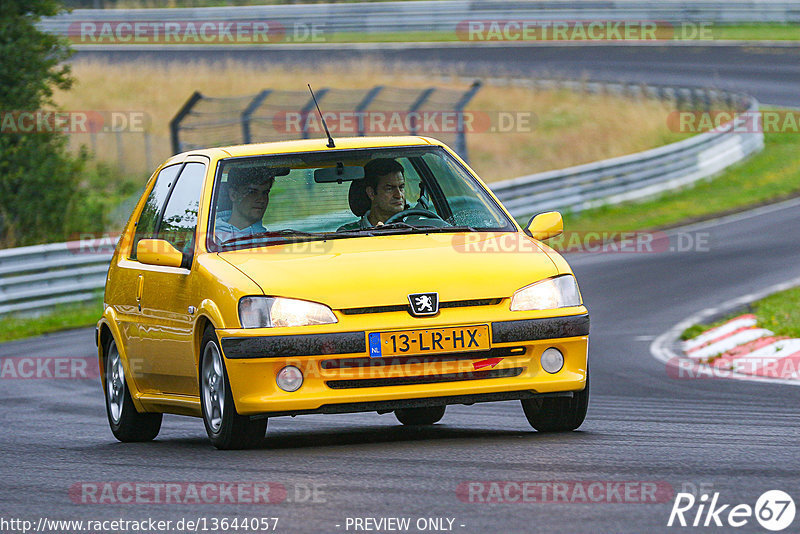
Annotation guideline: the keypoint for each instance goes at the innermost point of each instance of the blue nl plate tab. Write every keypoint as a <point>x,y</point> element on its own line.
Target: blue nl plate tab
<point>374,345</point>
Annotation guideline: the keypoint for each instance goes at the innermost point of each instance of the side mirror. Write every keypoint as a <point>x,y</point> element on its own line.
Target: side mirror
<point>158,252</point>
<point>545,225</point>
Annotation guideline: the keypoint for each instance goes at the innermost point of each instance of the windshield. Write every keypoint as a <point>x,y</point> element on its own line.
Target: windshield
<point>264,200</point>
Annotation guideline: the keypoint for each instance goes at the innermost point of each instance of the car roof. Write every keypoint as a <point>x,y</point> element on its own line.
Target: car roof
<point>309,145</point>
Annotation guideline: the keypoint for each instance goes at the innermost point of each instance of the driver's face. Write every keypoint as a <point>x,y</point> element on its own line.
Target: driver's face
<point>250,201</point>
<point>389,197</point>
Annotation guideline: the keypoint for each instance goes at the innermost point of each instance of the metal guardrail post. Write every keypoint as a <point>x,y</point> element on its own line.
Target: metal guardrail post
<point>248,112</point>
<point>365,102</point>
<point>425,95</point>
<point>175,123</point>
<point>309,107</point>
<point>461,135</point>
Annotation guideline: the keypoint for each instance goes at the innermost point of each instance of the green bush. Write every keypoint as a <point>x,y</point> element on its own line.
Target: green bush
<point>39,179</point>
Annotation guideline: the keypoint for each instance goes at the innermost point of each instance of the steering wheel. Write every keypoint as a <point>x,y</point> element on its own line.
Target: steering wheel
<point>400,215</point>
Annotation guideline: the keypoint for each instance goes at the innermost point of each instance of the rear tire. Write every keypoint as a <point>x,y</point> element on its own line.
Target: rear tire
<point>127,424</point>
<point>557,414</point>
<point>427,415</point>
<point>225,427</point>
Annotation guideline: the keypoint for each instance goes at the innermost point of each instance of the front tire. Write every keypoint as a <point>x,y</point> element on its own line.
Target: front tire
<point>557,414</point>
<point>225,427</point>
<point>127,424</point>
<point>427,415</point>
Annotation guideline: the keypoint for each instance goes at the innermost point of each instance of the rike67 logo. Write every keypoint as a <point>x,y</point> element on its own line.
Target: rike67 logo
<point>774,510</point>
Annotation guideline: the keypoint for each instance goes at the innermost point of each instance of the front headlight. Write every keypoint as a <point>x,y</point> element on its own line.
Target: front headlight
<point>267,312</point>
<point>558,292</point>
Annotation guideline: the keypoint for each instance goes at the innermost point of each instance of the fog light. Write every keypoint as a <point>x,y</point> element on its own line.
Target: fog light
<point>552,360</point>
<point>290,378</point>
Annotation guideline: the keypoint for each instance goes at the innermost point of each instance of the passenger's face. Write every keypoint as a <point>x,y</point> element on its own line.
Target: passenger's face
<point>250,201</point>
<point>390,195</point>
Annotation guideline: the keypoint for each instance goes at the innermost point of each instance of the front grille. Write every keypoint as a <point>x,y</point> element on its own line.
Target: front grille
<point>429,379</point>
<point>348,363</point>
<point>405,307</point>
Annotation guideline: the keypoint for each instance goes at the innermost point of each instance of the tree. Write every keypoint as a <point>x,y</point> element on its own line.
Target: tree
<point>39,179</point>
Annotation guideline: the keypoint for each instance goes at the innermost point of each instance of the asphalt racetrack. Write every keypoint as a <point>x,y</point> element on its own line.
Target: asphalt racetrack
<point>644,427</point>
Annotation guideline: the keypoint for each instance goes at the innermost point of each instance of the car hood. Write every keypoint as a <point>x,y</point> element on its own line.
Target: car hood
<point>384,270</point>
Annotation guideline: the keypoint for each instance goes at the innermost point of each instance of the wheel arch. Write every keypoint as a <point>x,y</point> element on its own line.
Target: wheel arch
<point>108,329</point>
<point>208,315</point>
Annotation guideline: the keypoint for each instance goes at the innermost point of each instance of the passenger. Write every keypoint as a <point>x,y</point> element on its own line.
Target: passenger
<point>248,191</point>
<point>385,187</point>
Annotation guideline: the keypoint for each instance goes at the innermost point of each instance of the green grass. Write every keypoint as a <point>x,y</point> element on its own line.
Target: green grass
<point>778,312</point>
<point>767,176</point>
<point>63,317</point>
<point>757,32</point>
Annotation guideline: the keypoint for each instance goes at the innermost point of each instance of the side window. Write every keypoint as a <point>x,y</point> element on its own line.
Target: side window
<point>470,205</point>
<point>180,216</point>
<point>146,226</point>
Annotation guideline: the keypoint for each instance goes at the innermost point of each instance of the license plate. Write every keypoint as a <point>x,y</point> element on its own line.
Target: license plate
<point>429,341</point>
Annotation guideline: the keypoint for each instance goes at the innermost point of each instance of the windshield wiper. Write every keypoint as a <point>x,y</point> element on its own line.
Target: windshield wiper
<point>357,232</point>
<point>394,226</point>
<point>287,232</point>
<point>452,229</point>
<point>422,228</point>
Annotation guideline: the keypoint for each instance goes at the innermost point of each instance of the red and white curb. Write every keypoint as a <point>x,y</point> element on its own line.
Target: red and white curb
<point>740,345</point>
<point>737,349</point>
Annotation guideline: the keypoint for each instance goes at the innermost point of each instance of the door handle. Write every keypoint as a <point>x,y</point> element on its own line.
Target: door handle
<point>139,291</point>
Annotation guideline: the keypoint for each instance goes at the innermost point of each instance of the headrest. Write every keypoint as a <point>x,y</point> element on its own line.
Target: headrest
<point>358,199</point>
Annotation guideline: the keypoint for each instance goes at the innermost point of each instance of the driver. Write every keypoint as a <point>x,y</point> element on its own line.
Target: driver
<point>248,190</point>
<point>385,187</point>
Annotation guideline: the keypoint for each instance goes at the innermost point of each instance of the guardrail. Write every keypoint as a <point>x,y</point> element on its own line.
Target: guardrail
<point>38,277</point>
<point>642,174</point>
<point>445,16</point>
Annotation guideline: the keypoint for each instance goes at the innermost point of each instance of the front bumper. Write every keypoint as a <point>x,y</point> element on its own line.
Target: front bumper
<point>339,375</point>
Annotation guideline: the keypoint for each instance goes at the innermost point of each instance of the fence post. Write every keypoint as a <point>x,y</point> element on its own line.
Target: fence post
<point>365,102</point>
<point>148,148</point>
<point>461,135</point>
<point>248,112</point>
<point>175,123</point>
<point>416,105</point>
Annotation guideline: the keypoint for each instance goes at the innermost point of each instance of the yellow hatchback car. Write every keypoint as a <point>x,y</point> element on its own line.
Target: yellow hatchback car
<point>379,274</point>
